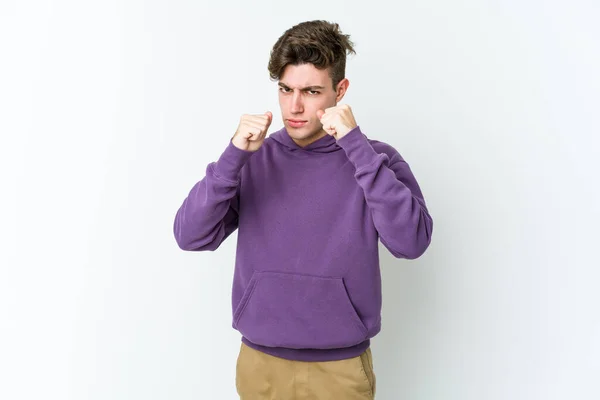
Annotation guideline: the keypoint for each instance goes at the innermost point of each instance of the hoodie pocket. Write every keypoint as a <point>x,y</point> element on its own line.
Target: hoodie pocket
<point>298,311</point>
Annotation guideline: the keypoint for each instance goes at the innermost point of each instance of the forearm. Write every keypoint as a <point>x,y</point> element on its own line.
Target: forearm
<point>393,195</point>
<point>209,212</point>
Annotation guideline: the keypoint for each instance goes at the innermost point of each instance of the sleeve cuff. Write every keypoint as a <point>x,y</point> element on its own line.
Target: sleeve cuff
<point>357,148</point>
<point>231,162</point>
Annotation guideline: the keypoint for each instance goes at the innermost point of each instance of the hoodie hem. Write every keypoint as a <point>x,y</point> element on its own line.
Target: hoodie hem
<point>311,355</point>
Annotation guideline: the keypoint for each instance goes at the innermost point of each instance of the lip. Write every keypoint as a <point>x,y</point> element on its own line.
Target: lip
<point>297,123</point>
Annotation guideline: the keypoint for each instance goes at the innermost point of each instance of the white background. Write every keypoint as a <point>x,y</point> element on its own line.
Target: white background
<point>110,112</point>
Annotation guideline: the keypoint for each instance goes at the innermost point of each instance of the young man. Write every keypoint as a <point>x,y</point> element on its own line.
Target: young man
<point>310,203</point>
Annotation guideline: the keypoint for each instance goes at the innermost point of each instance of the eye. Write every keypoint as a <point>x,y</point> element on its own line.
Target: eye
<point>314,92</point>
<point>284,89</point>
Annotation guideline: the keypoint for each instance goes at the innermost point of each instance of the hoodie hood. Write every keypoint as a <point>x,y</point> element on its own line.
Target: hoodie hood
<point>326,144</point>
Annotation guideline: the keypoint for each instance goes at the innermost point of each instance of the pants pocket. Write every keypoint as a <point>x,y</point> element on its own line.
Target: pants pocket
<point>298,311</point>
<point>262,376</point>
<point>238,369</point>
<point>366,360</point>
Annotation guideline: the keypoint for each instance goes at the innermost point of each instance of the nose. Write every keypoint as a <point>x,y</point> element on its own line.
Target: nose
<point>297,105</point>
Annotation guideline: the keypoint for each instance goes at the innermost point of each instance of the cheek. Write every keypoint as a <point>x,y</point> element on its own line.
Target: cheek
<point>318,104</point>
<point>327,102</point>
<point>282,101</point>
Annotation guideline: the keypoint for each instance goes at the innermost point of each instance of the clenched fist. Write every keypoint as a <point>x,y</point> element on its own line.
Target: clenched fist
<point>251,131</point>
<point>337,121</point>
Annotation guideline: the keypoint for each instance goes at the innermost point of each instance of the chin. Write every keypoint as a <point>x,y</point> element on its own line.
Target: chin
<point>301,133</point>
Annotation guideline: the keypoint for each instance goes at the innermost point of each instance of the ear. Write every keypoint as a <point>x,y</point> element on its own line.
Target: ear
<point>342,87</point>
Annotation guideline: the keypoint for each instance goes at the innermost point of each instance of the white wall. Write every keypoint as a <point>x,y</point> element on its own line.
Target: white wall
<point>110,111</point>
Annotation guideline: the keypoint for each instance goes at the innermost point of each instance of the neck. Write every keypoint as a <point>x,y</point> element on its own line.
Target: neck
<point>311,139</point>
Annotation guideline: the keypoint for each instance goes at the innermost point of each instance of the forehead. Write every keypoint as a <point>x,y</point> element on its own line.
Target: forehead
<point>305,75</point>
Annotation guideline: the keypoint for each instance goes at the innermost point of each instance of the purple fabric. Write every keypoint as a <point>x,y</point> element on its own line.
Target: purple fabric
<point>307,283</point>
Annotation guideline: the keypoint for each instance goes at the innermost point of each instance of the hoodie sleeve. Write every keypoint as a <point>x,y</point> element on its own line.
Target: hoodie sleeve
<point>392,193</point>
<point>209,214</point>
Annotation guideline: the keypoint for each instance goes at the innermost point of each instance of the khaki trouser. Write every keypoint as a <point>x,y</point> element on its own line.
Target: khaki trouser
<point>260,376</point>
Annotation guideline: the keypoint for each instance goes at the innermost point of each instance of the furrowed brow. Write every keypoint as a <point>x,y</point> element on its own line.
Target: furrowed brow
<point>313,87</point>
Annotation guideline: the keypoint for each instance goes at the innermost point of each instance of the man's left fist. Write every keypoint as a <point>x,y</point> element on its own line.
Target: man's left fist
<point>337,121</point>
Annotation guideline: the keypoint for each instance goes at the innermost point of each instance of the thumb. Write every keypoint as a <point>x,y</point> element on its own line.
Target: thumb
<point>269,114</point>
<point>320,113</point>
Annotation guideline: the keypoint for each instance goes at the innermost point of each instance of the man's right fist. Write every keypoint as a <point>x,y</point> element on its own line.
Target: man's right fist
<point>251,131</point>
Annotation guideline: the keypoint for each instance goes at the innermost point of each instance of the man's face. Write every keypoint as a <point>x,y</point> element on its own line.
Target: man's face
<point>304,89</point>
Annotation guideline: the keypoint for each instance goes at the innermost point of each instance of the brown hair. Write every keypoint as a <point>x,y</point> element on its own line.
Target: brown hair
<point>320,43</point>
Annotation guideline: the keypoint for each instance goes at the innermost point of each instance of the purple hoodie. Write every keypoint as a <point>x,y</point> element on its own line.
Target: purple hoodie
<point>307,284</point>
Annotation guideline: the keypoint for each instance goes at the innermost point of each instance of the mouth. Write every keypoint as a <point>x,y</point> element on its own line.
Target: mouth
<point>297,123</point>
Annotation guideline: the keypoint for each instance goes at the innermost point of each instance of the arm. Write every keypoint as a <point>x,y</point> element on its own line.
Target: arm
<point>209,214</point>
<point>393,195</point>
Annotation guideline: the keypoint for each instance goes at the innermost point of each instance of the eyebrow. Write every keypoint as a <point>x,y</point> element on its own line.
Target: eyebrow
<point>312,87</point>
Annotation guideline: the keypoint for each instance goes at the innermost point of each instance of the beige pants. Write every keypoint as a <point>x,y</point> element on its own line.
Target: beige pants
<point>260,376</point>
